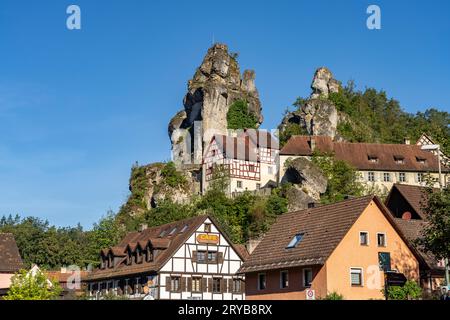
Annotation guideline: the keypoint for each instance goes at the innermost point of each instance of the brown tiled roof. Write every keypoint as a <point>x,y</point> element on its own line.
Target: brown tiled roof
<point>62,277</point>
<point>159,237</point>
<point>10,260</point>
<point>262,138</point>
<point>357,154</point>
<point>237,148</point>
<point>412,230</point>
<point>323,227</point>
<point>415,196</point>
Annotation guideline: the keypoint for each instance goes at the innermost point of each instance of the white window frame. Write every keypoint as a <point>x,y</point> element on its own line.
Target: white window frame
<point>362,277</point>
<point>387,175</point>
<point>399,176</point>
<point>269,170</point>
<point>368,238</point>
<point>371,179</point>
<point>385,239</point>
<point>420,177</point>
<point>258,283</point>
<point>239,182</point>
<point>312,275</point>
<point>281,279</point>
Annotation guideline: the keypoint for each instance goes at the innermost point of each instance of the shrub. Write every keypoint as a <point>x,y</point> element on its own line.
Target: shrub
<point>239,117</point>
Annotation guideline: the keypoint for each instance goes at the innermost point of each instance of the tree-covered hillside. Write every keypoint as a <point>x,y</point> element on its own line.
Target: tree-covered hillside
<point>371,116</point>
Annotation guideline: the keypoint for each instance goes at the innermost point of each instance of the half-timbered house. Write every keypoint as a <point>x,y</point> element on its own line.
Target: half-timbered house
<point>249,160</point>
<point>190,259</point>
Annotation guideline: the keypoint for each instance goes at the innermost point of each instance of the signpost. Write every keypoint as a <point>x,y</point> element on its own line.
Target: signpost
<point>394,279</point>
<point>310,294</point>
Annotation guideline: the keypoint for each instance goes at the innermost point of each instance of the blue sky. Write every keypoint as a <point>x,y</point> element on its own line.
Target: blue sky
<point>78,108</point>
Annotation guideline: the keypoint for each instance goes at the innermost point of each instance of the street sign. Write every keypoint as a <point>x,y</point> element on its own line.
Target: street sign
<point>310,294</point>
<point>395,279</point>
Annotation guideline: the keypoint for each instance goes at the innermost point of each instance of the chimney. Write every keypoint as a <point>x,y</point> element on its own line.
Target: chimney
<point>406,141</point>
<point>143,227</point>
<point>407,216</point>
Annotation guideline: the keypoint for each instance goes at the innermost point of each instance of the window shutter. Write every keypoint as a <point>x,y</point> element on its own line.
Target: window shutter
<point>194,256</point>
<point>210,285</point>
<point>242,286</point>
<point>189,284</point>
<point>220,257</point>
<point>204,284</point>
<point>183,284</point>
<point>168,284</point>
<point>223,285</point>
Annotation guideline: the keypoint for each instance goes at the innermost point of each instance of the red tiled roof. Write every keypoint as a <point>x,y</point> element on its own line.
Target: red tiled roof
<point>415,196</point>
<point>242,148</point>
<point>10,260</point>
<point>412,229</point>
<point>323,228</point>
<point>357,154</point>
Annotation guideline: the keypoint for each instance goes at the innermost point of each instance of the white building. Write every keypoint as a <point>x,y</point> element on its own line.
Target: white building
<point>379,165</point>
<point>191,259</point>
<point>249,160</point>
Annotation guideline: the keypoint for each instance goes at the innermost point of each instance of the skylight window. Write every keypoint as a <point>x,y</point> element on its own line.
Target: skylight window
<point>162,234</point>
<point>184,228</point>
<point>173,231</point>
<point>295,241</point>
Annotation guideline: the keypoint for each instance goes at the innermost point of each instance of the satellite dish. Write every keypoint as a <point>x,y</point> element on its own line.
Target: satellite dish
<point>407,216</point>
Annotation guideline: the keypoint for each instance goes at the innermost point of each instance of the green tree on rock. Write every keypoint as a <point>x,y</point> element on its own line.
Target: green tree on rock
<point>239,117</point>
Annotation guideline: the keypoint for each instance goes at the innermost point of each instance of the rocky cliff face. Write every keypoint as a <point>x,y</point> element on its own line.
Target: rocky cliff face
<point>217,83</point>
<point>308,183</point>
<point>318,115</point>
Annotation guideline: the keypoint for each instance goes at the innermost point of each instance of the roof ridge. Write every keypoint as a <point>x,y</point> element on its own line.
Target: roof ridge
<point>330,204</point>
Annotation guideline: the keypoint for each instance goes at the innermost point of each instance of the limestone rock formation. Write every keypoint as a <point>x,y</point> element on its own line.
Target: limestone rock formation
<point>317,115</point>
<point>149,187</point>
<point>323,84</point>
<point>217,83</point>
<point>308,182</point>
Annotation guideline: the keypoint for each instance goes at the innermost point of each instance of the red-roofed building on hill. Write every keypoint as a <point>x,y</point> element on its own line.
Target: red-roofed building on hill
<point>379,165</point>
<point>249,159</point>
<point>187,259</point>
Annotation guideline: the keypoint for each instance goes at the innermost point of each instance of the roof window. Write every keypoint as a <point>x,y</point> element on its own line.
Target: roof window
<point>295,241</point>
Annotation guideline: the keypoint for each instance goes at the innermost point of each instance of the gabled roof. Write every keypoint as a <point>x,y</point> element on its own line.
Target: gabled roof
<point>261,138</point>
<point>160,238</point>
<point>358,154</point>
<point>415,196</point>
<point>10,260</point>
<point>412,229</point>
<point>323,229</point>
<point>242,148</point>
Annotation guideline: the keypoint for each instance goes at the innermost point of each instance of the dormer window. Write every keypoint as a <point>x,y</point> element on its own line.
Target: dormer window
<point>399,159</point>
<point>421,160</point>
<point>372,158</point>
<point>163,233</point>
<point>148,255</point>
<point>129,258</point>
<point>173,231</point>
<point>184,228</point>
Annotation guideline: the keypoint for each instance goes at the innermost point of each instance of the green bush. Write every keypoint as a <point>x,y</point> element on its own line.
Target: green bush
<point>410,291</point>
<point>239,117</point>
<point>334,296</point>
